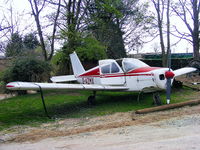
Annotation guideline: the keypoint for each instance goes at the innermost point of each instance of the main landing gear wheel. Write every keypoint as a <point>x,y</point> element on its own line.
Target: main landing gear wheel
<point>156,99</point>
<point>195,64</point>
<point>92,98</point>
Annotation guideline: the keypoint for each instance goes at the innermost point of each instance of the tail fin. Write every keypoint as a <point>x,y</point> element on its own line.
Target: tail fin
<point>76,64</point>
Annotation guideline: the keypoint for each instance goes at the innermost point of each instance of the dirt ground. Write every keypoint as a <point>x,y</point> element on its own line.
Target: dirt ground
<point>173,129</point>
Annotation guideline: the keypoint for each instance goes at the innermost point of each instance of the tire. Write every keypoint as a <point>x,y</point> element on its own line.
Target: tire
<point>157,100</point>
<point>91,100</point>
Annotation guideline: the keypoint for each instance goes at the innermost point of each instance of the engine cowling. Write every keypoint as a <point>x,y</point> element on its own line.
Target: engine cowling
<point>161,77</point>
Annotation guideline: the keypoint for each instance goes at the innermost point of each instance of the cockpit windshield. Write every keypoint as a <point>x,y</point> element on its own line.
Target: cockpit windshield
<point>131,64</point>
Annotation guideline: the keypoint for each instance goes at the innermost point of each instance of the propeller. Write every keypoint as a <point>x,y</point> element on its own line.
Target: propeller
<point>169,76</point>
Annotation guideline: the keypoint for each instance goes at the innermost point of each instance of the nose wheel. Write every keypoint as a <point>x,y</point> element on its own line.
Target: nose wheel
<point>91,99</point>
<point>156,99</point>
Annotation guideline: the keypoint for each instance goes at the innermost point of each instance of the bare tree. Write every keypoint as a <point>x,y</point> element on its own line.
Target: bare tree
<point>188,12</point>
<point>137,25</point>
<point>168,34</point>
<point>9,23</point>
<point>162,6</point>
<point>73,20</point>
<point>37,7</point>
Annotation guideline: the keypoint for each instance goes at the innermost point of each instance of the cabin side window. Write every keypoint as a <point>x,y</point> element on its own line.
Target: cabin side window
<point>105,69</point>
<point>110,68</point>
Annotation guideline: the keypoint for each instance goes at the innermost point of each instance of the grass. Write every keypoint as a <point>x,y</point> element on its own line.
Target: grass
<point>28,109</point>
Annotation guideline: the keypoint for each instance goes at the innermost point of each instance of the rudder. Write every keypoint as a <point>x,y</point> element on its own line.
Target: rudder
<point>76,64</point>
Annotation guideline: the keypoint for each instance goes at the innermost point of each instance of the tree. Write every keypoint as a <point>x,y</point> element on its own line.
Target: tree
<point>137,24</point>
<point>159,6</point>
<point>30,41</point>
<point>168,35</point>
<point>14,46</point>
<point>37,7</point>
<point>22,46</point>
<point>119,23</point>
<point>10,21</point>
<point>89,50</point>
<point>72,28</point>
<point>188,12</point>
<point>73,23</point>
<point>105,25</point>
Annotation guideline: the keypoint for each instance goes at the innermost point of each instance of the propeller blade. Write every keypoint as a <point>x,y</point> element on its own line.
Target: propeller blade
<point>168,90</point>
<point>169,75</point>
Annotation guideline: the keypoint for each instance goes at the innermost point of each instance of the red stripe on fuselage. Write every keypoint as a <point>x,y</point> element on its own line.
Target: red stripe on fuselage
<point>10,86</point>
<point>113,75</point>
<point>93,72</point>
<point>143,71</point>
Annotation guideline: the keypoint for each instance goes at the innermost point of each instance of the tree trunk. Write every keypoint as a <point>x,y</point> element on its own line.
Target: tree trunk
<point>195,33</point>
<point>196,47</point>
<point>160,27</point>
<point>168,37</point>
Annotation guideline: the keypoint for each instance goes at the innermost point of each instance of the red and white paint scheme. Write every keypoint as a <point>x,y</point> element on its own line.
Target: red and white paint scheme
<point>127,74</point>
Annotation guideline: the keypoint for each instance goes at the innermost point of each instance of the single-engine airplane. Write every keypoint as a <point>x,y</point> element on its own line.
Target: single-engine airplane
<point>127,74</point>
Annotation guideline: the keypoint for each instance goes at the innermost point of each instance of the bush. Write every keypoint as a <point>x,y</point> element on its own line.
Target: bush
<point>27,69</point>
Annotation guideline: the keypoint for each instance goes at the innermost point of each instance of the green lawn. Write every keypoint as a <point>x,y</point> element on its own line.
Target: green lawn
<point>28,109</point>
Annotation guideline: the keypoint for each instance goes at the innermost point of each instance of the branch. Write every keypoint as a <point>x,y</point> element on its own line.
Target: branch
<point>184,18</point>
<point>54,3</point>
<point>54,31</point>
<point>184,36</point>
<point>198,7</point>
<point>43,4</point>
<point>82,16</point>
<point>78,11</point>
<point>30,1</point>
<point>4,28</point>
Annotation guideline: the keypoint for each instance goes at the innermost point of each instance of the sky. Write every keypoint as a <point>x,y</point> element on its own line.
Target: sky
<point>23,8</point>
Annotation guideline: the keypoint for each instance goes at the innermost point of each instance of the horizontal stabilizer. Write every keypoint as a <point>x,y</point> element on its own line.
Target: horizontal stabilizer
<point>63,78</point>
<point>61,86</point>
<point>182,71</point>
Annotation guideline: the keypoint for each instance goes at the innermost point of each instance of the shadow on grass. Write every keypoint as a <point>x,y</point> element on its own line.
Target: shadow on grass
<point>106,103</point>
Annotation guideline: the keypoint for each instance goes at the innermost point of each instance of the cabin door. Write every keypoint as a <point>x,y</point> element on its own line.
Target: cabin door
<point>111,73</point>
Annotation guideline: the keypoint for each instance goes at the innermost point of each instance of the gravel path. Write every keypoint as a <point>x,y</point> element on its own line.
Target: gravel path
<point>4,96</point>
<point>177,129</point>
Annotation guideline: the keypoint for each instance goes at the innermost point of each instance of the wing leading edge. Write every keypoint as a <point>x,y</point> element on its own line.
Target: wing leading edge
<point>182,71</point>
<point>61,86</point>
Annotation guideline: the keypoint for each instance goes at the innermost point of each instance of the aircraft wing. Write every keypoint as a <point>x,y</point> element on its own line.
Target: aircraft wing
<point>63,78</point>
<point>182,71</point>
<point>61,86</point>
